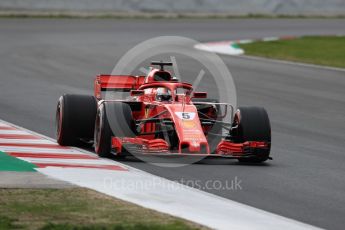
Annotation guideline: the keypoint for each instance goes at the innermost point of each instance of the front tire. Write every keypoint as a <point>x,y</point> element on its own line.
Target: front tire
<point>113,119</point>
<point>252,125</point>
<point>103,134</point>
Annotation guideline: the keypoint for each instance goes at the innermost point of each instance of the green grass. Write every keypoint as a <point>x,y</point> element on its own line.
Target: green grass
<point>319,50</point>
<point>8,223</point>
<point>78,209</point>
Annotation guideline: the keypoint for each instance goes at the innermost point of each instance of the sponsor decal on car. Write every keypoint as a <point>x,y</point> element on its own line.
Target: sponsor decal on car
<point>185,115</point>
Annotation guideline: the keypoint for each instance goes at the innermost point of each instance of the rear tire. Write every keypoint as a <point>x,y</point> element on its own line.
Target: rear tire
<point>252,125</point>
<point>113,119</point>
<point>75,117</point>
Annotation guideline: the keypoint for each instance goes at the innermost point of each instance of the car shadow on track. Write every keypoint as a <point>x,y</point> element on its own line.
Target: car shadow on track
<point>234,162</point>
<point>222,161</point>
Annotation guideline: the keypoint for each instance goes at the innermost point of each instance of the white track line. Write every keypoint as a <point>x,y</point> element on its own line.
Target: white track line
<point>25,141</point>
<point>11,132</point>
<point>37,150</point>
<point>4,125</point>
<point>221,47</point>
<point>170,197</point>
<point>68,161</point>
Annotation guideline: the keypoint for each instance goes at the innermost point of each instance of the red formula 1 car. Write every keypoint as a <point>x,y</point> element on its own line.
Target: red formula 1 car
<point>161,116</point>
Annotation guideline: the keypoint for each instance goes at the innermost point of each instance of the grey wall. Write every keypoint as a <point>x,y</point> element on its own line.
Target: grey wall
<point>324,7</point>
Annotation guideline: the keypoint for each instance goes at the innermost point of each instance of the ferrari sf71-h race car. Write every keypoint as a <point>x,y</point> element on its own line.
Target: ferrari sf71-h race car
<point>161,116</point>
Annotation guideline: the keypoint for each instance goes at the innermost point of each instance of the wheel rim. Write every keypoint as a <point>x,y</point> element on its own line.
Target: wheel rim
<point>97,135</point>
<point>58,120</point>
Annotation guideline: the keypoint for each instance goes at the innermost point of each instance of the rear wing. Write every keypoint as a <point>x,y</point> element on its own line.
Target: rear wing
<point>122,83</point>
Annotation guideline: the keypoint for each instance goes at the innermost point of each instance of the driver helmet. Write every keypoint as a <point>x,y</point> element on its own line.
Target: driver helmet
<point>163,94</point>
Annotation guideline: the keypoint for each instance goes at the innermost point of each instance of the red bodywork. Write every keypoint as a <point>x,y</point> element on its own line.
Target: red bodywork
<point>180,112</point>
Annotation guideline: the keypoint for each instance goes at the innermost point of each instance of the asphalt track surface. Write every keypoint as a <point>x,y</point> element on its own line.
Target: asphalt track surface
<point>40,59</point>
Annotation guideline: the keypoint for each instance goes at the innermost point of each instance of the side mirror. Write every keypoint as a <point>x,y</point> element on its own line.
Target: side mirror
<point>135,93</point>
<point>199,95</point>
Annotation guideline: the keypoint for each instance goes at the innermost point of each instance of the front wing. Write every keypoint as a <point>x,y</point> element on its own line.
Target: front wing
<point>160,147</point>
